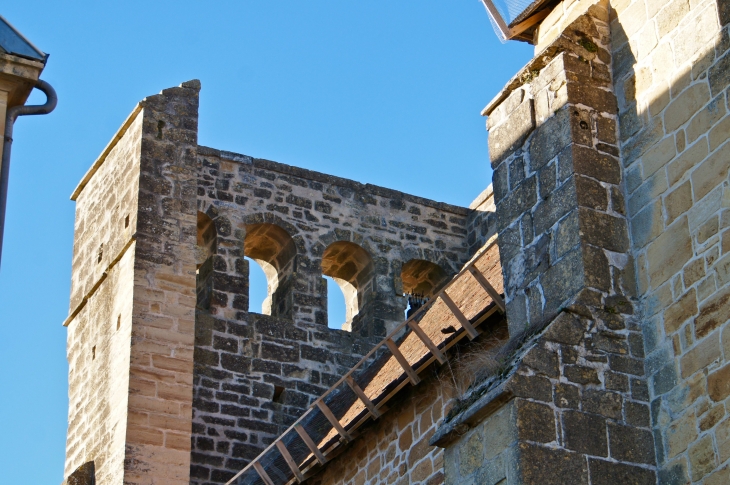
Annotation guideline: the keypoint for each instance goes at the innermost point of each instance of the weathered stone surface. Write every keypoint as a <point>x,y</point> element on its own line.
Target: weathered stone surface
<point>517,202</point>
<point>680,311</point>
<point>505,138</point>
<point>718,384</point>
<point>585,433</point>
<point>566,467</point>
<point>669,252</point>
<point>608,404</point>
<point>604,230</point>
<point>713,313</point>
<point>629,444</point>
<point>596,165</point>
<point>535,422</point>
<point>554,207</point>
<point>610,473</point>
<point>689,102</point>
<point>566,329</point>
<point>550,139</point>
<point>702,458</point>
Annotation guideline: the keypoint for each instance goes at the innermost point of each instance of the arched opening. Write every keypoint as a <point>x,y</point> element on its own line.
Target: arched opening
<point>258,288</point>
<point>336,311</point>
<point>272,248</point>
<point>421,280</point>
<point>351,267</point>
<point>205,249</point>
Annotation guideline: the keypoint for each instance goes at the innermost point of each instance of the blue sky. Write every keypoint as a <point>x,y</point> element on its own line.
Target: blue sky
<point>387,93</point>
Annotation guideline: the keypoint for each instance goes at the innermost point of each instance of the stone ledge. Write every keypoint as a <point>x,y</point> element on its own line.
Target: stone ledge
<point>487,405</point>
<point>494,399</point>
<point>483,197</point>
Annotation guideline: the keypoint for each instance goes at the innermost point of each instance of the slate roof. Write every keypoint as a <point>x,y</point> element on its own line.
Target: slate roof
<point>15,43</point>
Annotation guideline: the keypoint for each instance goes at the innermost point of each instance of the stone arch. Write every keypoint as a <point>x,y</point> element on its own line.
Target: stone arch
<point>422,277</point>
<point>275,251</point>
<point>420,280</point>
<point>206,247</point>
<point>352,268</point>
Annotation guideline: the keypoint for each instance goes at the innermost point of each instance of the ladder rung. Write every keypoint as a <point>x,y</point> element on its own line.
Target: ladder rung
<point>262,473</point>
<point>470,330</point>
<point>333,420</point>
<point>427,341</point>
<point>361,394</point>
<point>484,282</point>
<point>290,461</point>
<point>310,443</point>
<point>403,362</point>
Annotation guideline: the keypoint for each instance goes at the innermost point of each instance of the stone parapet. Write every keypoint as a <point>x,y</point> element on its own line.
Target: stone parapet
<point>256,373</point>
<point>318,212</point>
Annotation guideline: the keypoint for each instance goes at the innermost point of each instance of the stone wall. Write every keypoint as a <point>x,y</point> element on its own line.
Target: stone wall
<point>253,378</point>
<point>316,211</point>
<point>100,321</point>
<point>487,453</point>
<point>569,401</point>
<point>671,69</point>
<point>482,220</point>
<point>255,374</point>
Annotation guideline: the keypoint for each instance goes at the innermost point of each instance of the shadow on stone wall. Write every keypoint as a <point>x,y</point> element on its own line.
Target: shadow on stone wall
<point>675,162</point>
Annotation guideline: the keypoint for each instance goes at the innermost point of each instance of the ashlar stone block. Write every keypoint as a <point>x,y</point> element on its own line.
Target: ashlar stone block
<point>669,252</point>
<point>510,134</point>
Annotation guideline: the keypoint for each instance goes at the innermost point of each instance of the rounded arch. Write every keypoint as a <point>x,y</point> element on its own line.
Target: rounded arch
<point>421,277</point>
<point>351,267</point>
<point>274,250</point>
<point>205,248</point>
<point>207,239</point>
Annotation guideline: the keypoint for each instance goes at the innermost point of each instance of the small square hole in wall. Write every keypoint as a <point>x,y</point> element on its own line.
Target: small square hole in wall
<point>101,254</point>
<point>93,352</point>
<point>126,221</point>
<point>119,321</point>
<point>278,394</point>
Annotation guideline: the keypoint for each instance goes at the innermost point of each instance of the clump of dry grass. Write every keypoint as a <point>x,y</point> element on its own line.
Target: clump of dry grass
<point>479,365</point>
<point>474,362</point>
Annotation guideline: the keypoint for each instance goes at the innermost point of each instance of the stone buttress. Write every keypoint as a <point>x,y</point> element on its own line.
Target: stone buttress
<point>571,402</point>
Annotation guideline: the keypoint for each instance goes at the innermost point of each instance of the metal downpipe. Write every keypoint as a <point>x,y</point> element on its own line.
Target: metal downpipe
<point>12,115</point>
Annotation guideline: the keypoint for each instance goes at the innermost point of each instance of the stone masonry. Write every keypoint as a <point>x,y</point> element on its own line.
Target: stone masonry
<point>571,405</point>
<point>162,232</point>
<point>611,203</point>
<point>672,71</point>
<point>133,296</point>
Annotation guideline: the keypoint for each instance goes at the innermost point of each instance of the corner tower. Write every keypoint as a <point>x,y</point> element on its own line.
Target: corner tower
<point>133,291</point>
